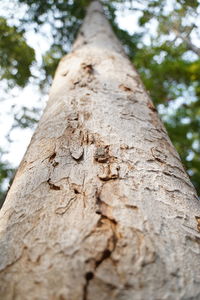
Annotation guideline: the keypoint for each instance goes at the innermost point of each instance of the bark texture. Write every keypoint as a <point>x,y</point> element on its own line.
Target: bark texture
<point>101,207</point>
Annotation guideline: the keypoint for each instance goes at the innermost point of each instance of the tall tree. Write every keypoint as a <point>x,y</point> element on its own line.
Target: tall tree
<point>161,56</point>
<point>101,206</point>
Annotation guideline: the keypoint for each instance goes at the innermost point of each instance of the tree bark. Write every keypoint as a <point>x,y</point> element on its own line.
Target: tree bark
<point>101,207</point>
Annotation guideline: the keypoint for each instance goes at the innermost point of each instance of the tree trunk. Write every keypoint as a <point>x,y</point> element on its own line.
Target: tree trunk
<point>101,207</point>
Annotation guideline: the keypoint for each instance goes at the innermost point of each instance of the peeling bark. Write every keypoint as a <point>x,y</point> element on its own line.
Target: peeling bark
<point>101,207</point>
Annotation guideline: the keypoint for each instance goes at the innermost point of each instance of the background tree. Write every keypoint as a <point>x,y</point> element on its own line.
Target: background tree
<point>163,48</point>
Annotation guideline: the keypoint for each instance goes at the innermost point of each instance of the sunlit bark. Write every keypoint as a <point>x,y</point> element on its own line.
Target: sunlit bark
<point>101,207</point>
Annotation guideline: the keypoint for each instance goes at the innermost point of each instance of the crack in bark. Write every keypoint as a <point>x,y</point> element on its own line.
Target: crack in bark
<point>88,276</point>
<point>110,246</point>
<point>52,185</point>
<point>52,156</point>
<point>111,243</point>
<point>62,209</point>
<point>106,254</point>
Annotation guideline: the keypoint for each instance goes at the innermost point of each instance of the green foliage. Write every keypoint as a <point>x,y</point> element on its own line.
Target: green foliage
<point>6,173</point>
<point>170,69</point>
<point>183,127</point>
<point>25,118</point>
<point>130,42</point>
<point>50,62</point>
<point>16,56</point>
<point>165,71</point>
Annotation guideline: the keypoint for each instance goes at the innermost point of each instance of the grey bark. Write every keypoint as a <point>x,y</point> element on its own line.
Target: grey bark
<point>101,207</point>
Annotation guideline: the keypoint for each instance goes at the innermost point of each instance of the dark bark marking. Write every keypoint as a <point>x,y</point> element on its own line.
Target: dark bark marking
<point>55,163</point>
<point>53,186</point>
<point>101,154</point>
<point>76,82</point>
<point>198,222</point>
<point>52,156</point>
<point>151,106</point>
<point>106,254</point>
<point>88,68</point>
<point>131,206</point>
<point>76,191</point>
<point>88,276</point>
<point>112,223</point>
<point>52,160</point>
<point>125,88</point>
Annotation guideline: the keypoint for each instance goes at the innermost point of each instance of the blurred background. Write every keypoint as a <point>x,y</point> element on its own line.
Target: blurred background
<point>161,38</point>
